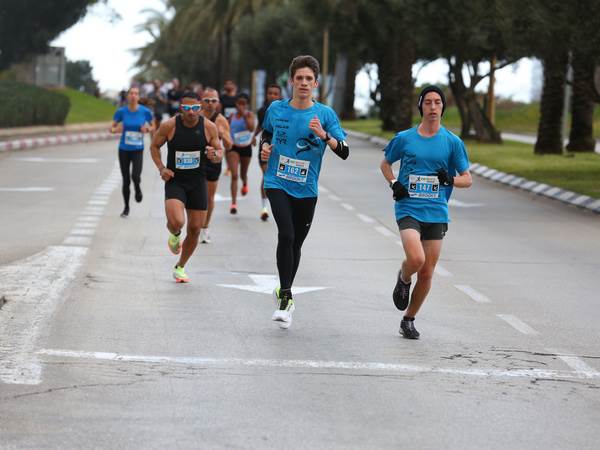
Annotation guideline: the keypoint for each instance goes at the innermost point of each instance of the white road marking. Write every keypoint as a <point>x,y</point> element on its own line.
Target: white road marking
<point>27,189</point>
<point>264,284</point>
<point>459,204</point>
<point>517,324</point>
<point>56,160</point>
<point>316,364</point>
<point>576,363</point>
<point>88,219</point>
<point>365,219</point>
<point>472,293</point>
<point>335,198</point>
<point>347,207</point>
<point>93,211</point>
<point>323,189</point>
<point>221,198</point>
<point>34,287</point>
<point>85,225</point>
<point>442,271</point>
<point>82,232</point>
<point>77,240</point>
<point>383,230</point>
<point>97,202</point>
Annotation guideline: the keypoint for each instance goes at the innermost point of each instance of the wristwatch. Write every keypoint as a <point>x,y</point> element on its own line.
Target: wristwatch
<point>392,182</point>
<point>327,137</point>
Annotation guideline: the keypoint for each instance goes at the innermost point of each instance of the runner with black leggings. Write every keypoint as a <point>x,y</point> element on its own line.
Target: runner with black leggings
<point>133,120</point>
<point>296,135</point>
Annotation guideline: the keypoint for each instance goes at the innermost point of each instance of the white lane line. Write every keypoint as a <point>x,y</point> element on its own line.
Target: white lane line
<point>82,232</point>
<point>85,225</point>
<point>517,324</point>
<point>93,210</point>
<point>347,207</point>
<point>79,241</point>
<point>576,363</point>
<point>335,198</point>
<point>27,189</point>
<point>57,160</point>
<point>316,364</point>
<point>88,219</point>
<point>97,202</point>
<point>323,189</point>
<point>472,293</point>
<point>441,271</point>
<point>365,219</point>
<point>383,230</point>
<point>34,287</point>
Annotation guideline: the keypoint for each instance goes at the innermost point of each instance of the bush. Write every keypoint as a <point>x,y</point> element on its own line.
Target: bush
<point>25,104</point>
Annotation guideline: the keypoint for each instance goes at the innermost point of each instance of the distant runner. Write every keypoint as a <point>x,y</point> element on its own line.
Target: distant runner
<point>133,120</point>
<point>210,111</point>
<point>273,93</point>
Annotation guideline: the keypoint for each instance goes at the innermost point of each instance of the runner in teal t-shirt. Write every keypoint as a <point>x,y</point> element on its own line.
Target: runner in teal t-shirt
<point>296,134</point>
<point>430,157</point>
<point>133,120</point>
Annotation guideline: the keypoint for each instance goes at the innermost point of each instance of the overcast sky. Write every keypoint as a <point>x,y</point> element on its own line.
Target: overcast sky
<point>107,46</point>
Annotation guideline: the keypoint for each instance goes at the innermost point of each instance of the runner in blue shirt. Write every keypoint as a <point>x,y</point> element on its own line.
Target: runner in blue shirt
<point>132,120</point>
<point>430,158</point>
<point>296,134</point>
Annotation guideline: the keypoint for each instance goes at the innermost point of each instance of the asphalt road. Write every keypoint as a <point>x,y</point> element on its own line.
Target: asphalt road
<point>99,348</point>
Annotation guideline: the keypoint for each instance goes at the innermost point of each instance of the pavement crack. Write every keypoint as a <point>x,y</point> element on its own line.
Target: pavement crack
<point>534,353</point>
<point>73,387</point>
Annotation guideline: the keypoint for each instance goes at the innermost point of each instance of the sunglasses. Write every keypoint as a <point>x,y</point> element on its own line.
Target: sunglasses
<point>187,108</point>
<point>210,100</point>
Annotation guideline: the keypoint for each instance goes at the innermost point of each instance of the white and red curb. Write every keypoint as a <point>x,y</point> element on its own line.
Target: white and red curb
<point>553,192</point>
<point>27,143</point>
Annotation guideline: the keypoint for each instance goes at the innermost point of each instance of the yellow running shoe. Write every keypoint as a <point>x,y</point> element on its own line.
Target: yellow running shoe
<point>174,244</point>
<point>179,275</point>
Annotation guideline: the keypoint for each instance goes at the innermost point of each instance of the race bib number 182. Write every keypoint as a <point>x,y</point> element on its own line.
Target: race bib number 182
<point>293,169</point>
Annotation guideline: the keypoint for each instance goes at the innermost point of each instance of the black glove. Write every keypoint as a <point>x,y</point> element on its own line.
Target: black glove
<point>444,178</point>
<point>400,191</point>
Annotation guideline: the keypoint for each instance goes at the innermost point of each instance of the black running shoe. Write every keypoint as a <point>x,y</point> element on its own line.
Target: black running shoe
<point>138,195</point>
<point>125,212</point>
<point>401,293</point>
<point>408,330</point>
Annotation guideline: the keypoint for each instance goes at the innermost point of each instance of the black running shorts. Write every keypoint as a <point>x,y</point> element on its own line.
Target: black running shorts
<point>193,194</point>
<point>244,152</point>
<point>429,231</point>
<point>213,171</point>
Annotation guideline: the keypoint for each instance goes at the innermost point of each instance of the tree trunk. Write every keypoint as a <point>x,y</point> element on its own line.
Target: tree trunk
<point>581,137</point>
<point>549,138</point>
<point>484,130</point>
<point>396,82</point>
<point>348,111</point>
<point>458,88</point>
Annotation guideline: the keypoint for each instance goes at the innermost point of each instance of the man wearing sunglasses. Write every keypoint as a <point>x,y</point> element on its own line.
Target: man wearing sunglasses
<point>190,140</point>
<point>210,111</point>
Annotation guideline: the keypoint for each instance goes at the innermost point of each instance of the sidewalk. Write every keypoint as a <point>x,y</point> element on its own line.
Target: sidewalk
<point>529,139</point>
<point>41,136</point>
<point>552,192</point>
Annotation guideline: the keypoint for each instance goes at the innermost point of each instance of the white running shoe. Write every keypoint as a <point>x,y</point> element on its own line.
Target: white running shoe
<point>205,236</point>
<point>283,316</point>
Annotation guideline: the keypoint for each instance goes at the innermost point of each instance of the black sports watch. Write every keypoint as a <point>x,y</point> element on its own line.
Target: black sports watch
<point>327,137</point>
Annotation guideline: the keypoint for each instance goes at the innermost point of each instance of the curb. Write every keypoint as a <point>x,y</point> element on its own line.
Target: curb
<point>27,143</point>
<point>553,192</point>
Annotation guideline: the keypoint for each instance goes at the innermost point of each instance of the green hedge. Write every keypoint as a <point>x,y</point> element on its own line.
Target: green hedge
<point>25,104</point>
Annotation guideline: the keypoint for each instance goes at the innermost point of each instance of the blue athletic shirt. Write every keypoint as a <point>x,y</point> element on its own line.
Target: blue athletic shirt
<point>132,138</point>
<point>420,159</point>
<point>295,162</point>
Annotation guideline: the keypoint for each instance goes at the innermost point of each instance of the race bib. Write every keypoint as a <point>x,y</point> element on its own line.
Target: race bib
<point>134,138</point>
<point>242,138</point>
<point>423,186</point>
<point>229,111</point>
<point>293,169</point>
<point>187,160</point>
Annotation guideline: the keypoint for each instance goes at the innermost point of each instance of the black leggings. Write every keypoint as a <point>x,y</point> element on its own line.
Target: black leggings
<point>293,217</point>
<point>134,158</point>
